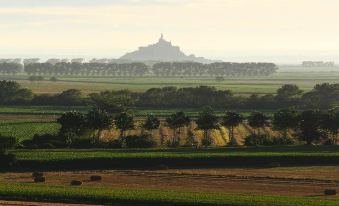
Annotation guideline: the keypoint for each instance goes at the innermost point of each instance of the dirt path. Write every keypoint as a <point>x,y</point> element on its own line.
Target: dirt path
<point>235,181</point>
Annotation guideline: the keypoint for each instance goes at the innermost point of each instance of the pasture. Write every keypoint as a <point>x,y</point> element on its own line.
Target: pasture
<point>239,85</point>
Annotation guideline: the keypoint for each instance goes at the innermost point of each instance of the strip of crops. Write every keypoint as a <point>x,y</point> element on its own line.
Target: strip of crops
<point>149,197</point>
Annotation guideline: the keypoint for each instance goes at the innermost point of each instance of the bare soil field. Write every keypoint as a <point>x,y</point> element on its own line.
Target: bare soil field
<point>294,181</point>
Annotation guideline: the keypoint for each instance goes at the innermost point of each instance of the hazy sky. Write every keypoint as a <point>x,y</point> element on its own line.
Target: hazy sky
<point>218,29</point>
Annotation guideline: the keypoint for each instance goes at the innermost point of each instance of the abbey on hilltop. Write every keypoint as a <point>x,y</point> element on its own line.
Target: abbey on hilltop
<point>162,51</point>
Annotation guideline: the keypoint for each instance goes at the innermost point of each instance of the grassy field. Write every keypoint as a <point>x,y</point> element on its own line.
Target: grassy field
<point>239,85</point>
<point>71,154</point>
<point>26,130</point>
<point>40,110</point>
<point>100,195</point>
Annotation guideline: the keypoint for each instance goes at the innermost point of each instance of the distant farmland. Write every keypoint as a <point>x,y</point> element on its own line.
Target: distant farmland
<point>239,85</point>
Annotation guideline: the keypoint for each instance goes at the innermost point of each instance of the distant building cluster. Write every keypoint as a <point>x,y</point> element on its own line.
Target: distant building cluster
<point>317,64</point>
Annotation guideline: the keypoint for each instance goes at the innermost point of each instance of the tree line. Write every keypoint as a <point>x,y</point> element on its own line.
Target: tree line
<point>108,68</point>
<point>322,96</point>
<point>85,130</point>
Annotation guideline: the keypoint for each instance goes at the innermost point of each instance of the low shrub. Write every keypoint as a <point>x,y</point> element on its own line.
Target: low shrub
<point>95,178</point>
<point>142,141</point>
<point>37,174</point>
<point>284,140</point>
<point>330,192</point>
<point>116,143</point>
<point>76,183</point>
<point>82,143</point>
<point>39,179</point>
<point>257,140</point>
<point>44,141</point>
<point>53,79</point>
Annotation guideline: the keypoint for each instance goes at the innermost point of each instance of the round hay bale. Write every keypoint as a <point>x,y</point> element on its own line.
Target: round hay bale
<point>39,179</point>
<point>76,183</point>
<point>95,178</point>
<point>330,192</point>
<point>37,174</point>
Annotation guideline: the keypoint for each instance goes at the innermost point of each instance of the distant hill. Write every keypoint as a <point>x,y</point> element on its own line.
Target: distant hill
<point>162,51</point>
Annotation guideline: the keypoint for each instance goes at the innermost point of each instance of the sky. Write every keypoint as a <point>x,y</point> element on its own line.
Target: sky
<point>229,30</point>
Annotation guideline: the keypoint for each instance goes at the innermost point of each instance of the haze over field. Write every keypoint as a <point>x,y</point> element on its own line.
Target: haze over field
<point>281,31</point>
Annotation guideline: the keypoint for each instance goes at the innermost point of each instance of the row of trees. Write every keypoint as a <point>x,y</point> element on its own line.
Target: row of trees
<point>310,126</point>
<point>213,69</point>
<point>322,96</point>
<point>138,69</point>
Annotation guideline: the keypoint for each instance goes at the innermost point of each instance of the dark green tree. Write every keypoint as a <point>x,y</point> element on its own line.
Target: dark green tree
<point>285,119</point>
<point>124,121</point>
<point>206,121</point>
<point>176,122</point>
<point>73,122</point>
<point>309,126</point>
<point>230,121</point>
<point>330,124</point>
<point>151,123</point>
<point>98,120</point>
<point>257,120</point>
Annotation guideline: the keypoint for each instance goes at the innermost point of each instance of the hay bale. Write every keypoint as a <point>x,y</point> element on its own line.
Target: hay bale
<point>39,179</point>
<point>95,178</point>
<point>37,174</point>
<point>76,183</point>
<point>330,192</point>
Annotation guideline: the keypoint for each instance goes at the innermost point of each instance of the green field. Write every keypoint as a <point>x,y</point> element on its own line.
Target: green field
<point>26,130</point>
<point>239,85</point>
<point>39,110</point>
<point>76,154</point>
<point>99,195</point>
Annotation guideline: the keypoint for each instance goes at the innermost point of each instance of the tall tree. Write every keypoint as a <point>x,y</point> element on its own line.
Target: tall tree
<point>124,121</point>
<point>176,122</point>
<point>206,121</point>
<point>285,119</point>
<point>257,120</point>
<point>151,123</point>
<point>232,120</point>
<point>330,123</point>
<point>309,126</point>
<point>99,120</point>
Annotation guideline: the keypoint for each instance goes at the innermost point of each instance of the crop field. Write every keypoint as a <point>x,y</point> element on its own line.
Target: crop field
<point>239,85</point>
<point>150,196</point>
<point>26,130</point>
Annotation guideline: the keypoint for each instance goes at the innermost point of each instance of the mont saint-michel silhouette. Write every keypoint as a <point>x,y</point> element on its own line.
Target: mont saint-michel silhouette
<point>162,51</point>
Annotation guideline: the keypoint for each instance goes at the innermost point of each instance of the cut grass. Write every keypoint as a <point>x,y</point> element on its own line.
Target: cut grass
<point>40,192</point>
